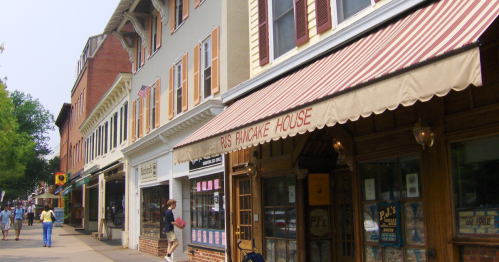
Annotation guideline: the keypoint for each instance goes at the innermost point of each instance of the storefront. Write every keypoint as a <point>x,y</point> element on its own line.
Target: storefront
<point>321,171</point>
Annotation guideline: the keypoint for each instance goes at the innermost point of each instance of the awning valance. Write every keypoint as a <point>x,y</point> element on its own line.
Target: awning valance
<point>429,52</point>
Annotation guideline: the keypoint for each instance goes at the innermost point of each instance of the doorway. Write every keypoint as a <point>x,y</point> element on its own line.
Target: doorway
<point>344,250</point>
<point>242,216</point>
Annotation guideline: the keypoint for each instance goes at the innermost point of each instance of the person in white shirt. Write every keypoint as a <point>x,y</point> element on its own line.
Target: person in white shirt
<point>5,221</point>
<point>31,214</point>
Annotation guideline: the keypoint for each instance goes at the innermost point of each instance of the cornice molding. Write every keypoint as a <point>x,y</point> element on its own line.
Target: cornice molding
<point>158,4</point>
<point>161,136</point>
<point>125,45</point>
<point>137,26</point>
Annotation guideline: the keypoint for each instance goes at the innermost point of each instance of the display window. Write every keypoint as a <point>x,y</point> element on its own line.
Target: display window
<point>154,207</point>
<point>208,211</point>
<point>279,203</point>
<point>475,175</point>
<point>392,209</point>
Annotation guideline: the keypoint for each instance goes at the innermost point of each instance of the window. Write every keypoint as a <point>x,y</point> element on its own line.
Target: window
<point>121,125</point>
<point>83,101</point>
<point>475,174</point>
<point>154,32</point>
<point>138,50</point>
<point>111,134</point>
<point>115,130</point>
<point>86,151</point>
<point>99,139</point>
<point>283,26</point>
<point>208,209</point>
<point>125,125</point>
<point>152,106</point>
<point>137,119</point>
<point>177,82</point>
<point>153,211</point>
<point>206,68</point>
<point>106,126</point>
<point>179,5</point>
<point>279,218</point>
<point>81,104</point>
<point>72,116</point>
<point>92,145</point>
<point>348,8</point>
<point>388,180</point>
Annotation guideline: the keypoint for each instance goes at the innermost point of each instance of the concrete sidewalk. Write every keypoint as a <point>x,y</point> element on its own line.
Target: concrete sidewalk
<point>67,244</point>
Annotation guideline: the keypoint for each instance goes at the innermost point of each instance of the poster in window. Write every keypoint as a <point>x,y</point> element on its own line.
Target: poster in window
<point>198,186</point>
<point>204,185</point>
<point>217,238</point>
<point>210,237</point>
<point>370,189</point>
<point>216,182</point>
<point>210,185</point>
<point>292,195</point>
<point>318,189</point>
<point>412,185</point>
<point>199,236</point>
<point>216,201</point>
<point>390,229</point>
<point>194,236</point>
<point>205,237</point>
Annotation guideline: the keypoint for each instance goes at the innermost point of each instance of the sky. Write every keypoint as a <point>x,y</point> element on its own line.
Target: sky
<point>43,41</point>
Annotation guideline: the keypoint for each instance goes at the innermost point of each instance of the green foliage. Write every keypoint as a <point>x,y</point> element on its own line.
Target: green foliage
<point>67,209</point>
<point>33,119</point>
<point>15,147</point>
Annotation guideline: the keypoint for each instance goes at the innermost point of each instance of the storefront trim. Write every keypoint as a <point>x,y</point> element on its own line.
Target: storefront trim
<point>207,248</point>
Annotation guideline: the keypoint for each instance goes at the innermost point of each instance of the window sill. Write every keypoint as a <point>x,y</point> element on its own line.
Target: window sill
<point>153,54</point>
<point>283,56</point>
<point>112,150</point>
<point>123,144</point>
<point>218,249</point>
<point>174,31</point>
<point>138,70</point>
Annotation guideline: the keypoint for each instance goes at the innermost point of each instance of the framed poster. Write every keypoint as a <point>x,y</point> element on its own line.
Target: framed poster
<point>370,189</point>
<point>318,189</point>
<point>390,229</point>
<point>319,222</point>
<point>412,185</point>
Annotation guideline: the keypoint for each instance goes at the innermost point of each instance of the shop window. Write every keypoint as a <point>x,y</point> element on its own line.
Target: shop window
<point>395,181</point>
<point>153,211</point>
<point>475,174</point>
<point>279,203</point>
<point>208,210</point>
<point>348,8</point>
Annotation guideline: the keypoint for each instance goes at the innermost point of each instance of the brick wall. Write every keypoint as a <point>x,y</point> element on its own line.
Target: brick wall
<point>154,247</point>
<point>474,253</point>
<point>201,255</point>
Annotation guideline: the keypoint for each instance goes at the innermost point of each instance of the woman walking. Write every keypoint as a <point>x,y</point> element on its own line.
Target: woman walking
<point>46,218</point>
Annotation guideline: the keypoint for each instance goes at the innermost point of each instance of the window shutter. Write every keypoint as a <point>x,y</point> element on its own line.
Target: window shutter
<point>134,114</point>
<point>159,30</point>
<point>263,32</point>
<point>196,3</point>
<point>301,22</point>
<point>135,62</point>
<point>185,90</point>
<point>150,37</point>
<point>215,60</point>
<point>158,99</point>
<point>141,119</point>
<point>170,95</point>
<point>148,102</point>
<point>172,16</point>
<point>185,9</point>
<point>196,75</point>
<point>323,15</point>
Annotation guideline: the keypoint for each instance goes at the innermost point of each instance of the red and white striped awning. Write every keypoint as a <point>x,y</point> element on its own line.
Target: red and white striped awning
<point>430,52</point>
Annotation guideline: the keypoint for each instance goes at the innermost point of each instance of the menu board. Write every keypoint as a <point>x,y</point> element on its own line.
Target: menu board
<point>390,229</point>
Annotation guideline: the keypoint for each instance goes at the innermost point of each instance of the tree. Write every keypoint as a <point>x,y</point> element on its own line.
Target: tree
<point>15,147</point>
<point>33,119</point>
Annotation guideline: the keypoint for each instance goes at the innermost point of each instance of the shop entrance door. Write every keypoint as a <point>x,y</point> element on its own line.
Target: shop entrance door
<point>344,222</point>
<point>242,216</point>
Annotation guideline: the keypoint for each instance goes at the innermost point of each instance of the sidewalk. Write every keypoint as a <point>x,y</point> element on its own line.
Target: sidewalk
<point>67,244</point>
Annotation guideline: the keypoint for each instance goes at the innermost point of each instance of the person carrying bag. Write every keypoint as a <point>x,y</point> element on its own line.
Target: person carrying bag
<point>48,219</point>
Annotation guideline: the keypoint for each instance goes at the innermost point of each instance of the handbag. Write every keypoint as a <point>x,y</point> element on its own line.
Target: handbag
<point>52,216</point>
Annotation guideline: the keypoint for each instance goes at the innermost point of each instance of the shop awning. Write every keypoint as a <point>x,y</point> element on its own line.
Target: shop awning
<point>90,170</point>
<point>429,52</point>
<point>66,191</point>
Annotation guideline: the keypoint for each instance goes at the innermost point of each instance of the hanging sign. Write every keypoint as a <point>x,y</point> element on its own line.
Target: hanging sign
<point>390,229</point>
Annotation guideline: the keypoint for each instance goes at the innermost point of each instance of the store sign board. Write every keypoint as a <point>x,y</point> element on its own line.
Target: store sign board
<point>478,222</point>
<point>318,189</point>
<point>148,171</point>
<point>205,162</point>
<point>390,228</point>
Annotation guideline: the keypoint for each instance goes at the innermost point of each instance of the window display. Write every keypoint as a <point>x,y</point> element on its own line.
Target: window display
<point>475,173</point>
<point>208,210</point>
<point>153,211</point>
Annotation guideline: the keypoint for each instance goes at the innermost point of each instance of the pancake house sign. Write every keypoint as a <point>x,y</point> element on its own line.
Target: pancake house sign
<point>290,124</point>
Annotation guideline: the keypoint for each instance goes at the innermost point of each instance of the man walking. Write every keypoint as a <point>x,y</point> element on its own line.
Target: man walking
<point>31,214</point>
<point>170,235</point>
<point>19,217</point>
<point>5,221</point>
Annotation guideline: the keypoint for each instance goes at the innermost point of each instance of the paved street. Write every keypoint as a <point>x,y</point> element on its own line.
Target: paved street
<point>67,244</point>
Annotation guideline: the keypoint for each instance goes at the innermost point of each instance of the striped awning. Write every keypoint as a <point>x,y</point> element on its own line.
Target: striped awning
<point>429,52</point>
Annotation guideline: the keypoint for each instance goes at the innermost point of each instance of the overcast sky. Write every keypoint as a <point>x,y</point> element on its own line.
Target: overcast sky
<point>43,41</point>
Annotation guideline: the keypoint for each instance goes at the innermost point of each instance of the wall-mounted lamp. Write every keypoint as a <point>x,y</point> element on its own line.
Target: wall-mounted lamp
<point>423,134</point>
<point>250,169</point>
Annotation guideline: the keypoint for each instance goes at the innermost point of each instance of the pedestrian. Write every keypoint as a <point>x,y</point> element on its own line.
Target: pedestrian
<point>19,217</point>
<point>31,214</point>
<point>5,221</point>
<point>46,218</point>
<point>170,235</point>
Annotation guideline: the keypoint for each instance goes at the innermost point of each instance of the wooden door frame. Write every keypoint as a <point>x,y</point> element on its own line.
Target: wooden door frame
<point>239,175</point>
